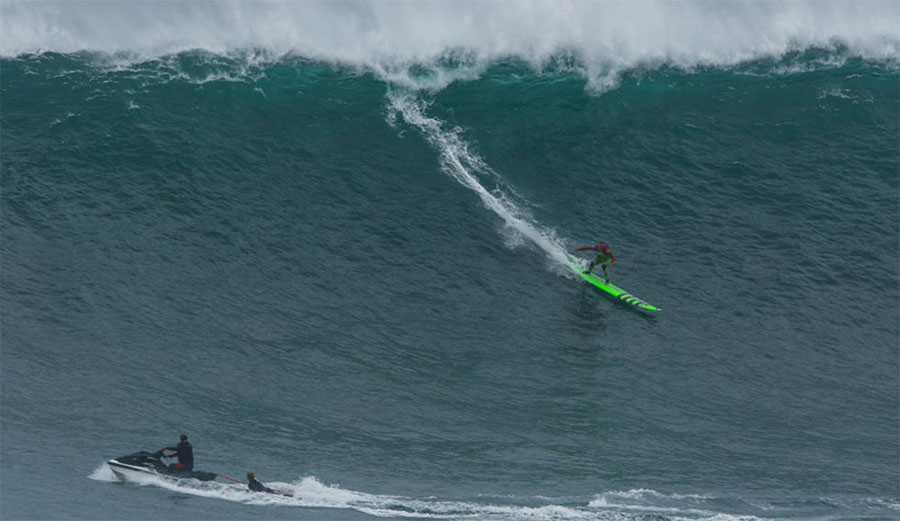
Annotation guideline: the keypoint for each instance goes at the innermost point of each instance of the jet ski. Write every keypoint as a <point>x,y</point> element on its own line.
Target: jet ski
<point>142,464</point>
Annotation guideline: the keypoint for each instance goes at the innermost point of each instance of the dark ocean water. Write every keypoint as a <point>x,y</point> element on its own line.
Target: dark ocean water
<point>353,284</point>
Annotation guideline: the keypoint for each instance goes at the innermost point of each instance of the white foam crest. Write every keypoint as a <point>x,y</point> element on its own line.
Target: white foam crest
<point>604,37</point>
<point>465,166</point>
<point>836,92</point>
<point>432,76</point>
<point>719,517</point>
<point>643,493</point>
<point>648,500</point>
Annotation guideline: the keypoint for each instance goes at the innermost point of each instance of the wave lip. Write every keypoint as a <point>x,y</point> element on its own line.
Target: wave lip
<point>600,36</point>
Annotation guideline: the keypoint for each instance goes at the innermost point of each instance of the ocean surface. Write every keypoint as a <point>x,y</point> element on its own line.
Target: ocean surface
<point>328,242</point>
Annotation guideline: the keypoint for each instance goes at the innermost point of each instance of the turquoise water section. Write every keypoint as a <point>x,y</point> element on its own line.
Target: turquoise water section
<point>355,285</point>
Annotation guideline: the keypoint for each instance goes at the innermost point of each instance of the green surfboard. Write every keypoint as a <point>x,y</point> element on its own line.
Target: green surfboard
<point>613,290</point>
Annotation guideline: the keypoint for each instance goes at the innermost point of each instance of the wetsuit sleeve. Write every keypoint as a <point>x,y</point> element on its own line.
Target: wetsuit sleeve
<point>612,258</point>
<point>585,248</point>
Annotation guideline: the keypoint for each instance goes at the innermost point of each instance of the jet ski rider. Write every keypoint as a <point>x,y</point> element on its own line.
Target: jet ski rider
<point>185,454</point>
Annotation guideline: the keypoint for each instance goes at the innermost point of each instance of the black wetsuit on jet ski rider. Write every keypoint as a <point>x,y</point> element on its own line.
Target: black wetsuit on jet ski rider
<point>185,454</point>
<point>257,486</point>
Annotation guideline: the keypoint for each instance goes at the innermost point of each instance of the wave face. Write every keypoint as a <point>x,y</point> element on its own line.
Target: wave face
<point>337,257</point>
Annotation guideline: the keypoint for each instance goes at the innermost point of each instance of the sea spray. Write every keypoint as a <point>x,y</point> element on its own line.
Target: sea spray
<point>464,166</point>
<point>598,39</point>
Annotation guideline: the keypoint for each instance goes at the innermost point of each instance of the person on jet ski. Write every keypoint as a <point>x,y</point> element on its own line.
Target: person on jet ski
<point>257,486</point>
<point>185,453</point>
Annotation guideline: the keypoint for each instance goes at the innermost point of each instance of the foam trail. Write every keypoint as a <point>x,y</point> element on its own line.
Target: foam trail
<point>462,165</point>
<point>309,492</point>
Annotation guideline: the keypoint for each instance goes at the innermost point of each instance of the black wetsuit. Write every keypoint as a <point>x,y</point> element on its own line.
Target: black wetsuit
<point>256,486</point>
<point>185,455</point>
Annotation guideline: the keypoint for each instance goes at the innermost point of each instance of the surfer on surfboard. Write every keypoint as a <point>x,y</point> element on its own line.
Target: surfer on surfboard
<point>603,256</point>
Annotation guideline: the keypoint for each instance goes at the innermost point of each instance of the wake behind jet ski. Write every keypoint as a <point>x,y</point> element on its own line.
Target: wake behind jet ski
<point>143,464</point>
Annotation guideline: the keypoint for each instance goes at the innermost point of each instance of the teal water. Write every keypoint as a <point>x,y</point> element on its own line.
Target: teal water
<point>351,281</point>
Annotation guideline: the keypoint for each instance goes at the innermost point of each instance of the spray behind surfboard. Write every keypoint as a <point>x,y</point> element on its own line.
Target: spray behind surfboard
<point>466,167</point>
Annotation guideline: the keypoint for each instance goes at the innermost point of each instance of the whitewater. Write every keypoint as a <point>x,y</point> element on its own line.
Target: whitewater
<point>601,39</point>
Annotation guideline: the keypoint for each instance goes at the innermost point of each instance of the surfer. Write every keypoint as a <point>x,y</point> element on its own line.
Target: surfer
<point>185,453</point>
<point>603,256</point>
<point>256,485</point>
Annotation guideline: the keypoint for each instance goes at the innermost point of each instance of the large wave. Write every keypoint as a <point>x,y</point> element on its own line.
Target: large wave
<point>599,38</point>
